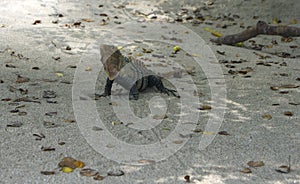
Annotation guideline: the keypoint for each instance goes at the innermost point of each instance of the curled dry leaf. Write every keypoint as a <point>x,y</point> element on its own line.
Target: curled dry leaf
<point>15,124</point>
<point>283,169</point>
<point>21,79</point>
<point>147,50</point>
<point>187,178</point>
<point>288,113</point>
<point>246,170</point>
<point>115,173</point>
<point>223,133</point>
<point>256,163</point>
<point>47,148</point>
<point>146,161</point>
<point>88,172</point>
<point>39,136</point>
<point>267,116</point>
<point>160,116</point>
<point>49,94</point>
<point>48,172</point>
<point>98,177</point>
<point>205,107</point>
<point>71,163</point>
<point>178,142</point>
<point>37,22</point>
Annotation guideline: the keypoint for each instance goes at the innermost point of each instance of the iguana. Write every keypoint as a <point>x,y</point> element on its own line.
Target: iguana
<point>131,74</point>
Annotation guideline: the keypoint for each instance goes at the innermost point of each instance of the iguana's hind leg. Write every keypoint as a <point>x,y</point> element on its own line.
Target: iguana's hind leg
<point>156,81</point>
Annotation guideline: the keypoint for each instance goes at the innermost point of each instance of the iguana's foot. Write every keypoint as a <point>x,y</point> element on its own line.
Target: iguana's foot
<point>102,95</point>
<point>163,89</point>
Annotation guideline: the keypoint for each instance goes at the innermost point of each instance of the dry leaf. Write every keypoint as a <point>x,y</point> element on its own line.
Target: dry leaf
<point>145,161</point>
<point>267,116</point>
<point>205,107</point>
<point>37,22</point>
<point>98,177</point>
<point>147,50</point>
<point>88,20</point>
<point>288,113</point>
<point>58,74</point>
<point>160,116</point>
<point>14,124</point>
<point>48,172</point>
<point>88,172</point>
<point>21,79</point>
<point>69,121</point>
<point>115,173</point>
<point>88,69</point>
<point>223,133</point>
<point>71,163</point>
<point>187,178</point>
<point>116,123</point>
<point>178,142</point>
<point>47,148</point>
<point>283,169</point>
<point>246,170</point>
<point>208,133</point>
<point>256,163</point>
<point>67,169</point>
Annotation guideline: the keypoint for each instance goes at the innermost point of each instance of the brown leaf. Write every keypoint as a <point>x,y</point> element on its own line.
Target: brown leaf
<point>283,169</point>
<point>39,136</point>
<point>47,148</point>
<point>68,162</point>
<point>246,170</point>
<point>146,161</point>
<point>288,113</point>
<point>88,20</point>
<point>178,142</point>
<point>98,177</point>
<point>267,116</point>
<point>21,79</point>
<point>37,22</point>
<point>115,173</point>
<point>160,116</point>
<point>256,163</point>
<point>88,172</point>
<point>187,178</point>
<point>223,133</point>
<point>69,121</point>
<point>15,124</point>
<point>48,172</point>
<point>205,107</point>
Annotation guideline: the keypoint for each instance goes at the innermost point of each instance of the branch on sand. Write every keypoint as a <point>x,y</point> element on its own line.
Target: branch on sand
<point>261,28</point>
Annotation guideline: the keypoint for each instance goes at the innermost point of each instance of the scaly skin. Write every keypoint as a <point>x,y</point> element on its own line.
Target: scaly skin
<point>130,74</point>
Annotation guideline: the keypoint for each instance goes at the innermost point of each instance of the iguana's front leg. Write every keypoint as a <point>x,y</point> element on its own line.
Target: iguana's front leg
<point>156,81</point>
<point>108,86</point>
<point>134,93</point>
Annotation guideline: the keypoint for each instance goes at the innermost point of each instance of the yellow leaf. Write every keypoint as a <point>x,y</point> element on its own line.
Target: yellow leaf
<point>88,69</point>
<point>209,133</point>
<point>79,164</point>
<point>58,74</point>
<point>88,20</point>
<point>213,32</point>
<point>116,123</point>
<point>294,21</point>
<point>240,44</point>
<point>66,169</point>
<point>176,48</point>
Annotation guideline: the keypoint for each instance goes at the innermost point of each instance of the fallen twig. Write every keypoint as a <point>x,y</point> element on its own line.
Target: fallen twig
<point>261,28</point>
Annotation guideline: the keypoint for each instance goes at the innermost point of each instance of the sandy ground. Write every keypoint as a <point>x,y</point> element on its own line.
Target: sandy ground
<point>50,70</point>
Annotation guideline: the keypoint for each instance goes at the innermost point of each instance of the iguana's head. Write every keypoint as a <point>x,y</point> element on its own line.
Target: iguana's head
<point>111,59</point>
